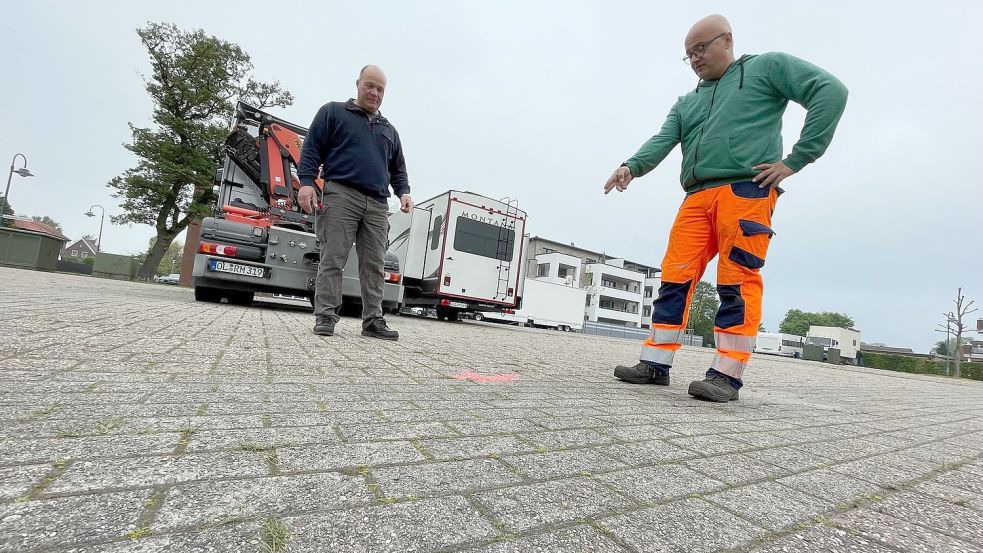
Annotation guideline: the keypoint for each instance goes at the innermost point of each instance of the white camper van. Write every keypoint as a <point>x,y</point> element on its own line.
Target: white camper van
<point>459,252</point>
<point>545,305</point>
<point>774,343</point>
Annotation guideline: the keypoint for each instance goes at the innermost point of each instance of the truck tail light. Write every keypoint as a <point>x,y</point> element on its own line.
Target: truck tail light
<point>509,311</point>
<point>445,302</point>
<point>217,249</point>
<point>393,277</point>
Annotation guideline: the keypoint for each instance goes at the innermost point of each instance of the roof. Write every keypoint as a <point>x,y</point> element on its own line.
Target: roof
<point>879,348</point>
<point>39,228</point>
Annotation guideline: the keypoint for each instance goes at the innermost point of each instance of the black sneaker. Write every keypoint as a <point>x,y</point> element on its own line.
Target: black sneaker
<point>324,326</point>
<point>642,373</point>
<point>378,329</point>
<point>715,387</point>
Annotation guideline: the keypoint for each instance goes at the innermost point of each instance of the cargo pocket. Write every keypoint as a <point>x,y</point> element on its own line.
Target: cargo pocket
<point>751,244</point>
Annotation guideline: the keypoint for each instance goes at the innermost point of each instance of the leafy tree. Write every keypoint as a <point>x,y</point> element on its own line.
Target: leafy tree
<point>5,207</point>
<point>798,322</point>
<point>703,311</point>
<point>194,84</point>
<point>171,262</point>
<point>45,220</point>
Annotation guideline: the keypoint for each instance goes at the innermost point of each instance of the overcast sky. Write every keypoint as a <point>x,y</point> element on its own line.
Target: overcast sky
<point>540,101</point>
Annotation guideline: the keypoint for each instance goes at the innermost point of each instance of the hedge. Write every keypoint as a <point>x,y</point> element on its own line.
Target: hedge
<point>918,365</point>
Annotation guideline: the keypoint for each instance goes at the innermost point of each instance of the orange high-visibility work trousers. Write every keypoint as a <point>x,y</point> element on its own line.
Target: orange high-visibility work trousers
<point>733,220</point>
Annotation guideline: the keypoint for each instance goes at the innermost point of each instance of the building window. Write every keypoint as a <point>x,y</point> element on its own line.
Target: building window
<point>647,311</point>
<point>648,291</point>
<point>543,270</point>
<point>75,253</point>
<point>548,250</point>
<point>85,254</point>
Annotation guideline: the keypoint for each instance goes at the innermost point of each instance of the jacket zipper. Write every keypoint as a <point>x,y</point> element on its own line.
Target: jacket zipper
<point>696,156</point>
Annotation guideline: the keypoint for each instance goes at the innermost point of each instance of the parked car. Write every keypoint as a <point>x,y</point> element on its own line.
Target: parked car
<point>172,278</point>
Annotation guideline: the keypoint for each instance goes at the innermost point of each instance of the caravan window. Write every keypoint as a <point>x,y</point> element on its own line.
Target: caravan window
<point>484,239</point>
<point>438,228</point>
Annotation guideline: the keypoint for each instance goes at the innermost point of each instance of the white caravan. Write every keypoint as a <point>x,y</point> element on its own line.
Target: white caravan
<point>774,343</point>
<point>460,251</point>
<point>847,340</point>
<point>546,305</point>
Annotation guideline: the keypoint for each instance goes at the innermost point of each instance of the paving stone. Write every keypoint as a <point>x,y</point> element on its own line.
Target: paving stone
<point>579,538</point>
<point>525,507</point>
<point>16,481</point>
<point>709,445</point>
<point>558,464</point>
<point>229,538</point>
<point>822,539</point>
<point>736,468</point>
<point>689,526</point>
<point>646,453</point>
<point>395,431</point>
<point>442,478</point>
<point>467,448</point>
<point>904,534</point>
<point>86,476</point>
<point>43,524</point>
<point>640,433</point>
<point>832,486</point>
<point>53,449</point>
<point>936,514</point>
<point>210,503</point>
<point>789,458</point>
<point>487,428</point>
<point>659,483</point>
<point>772,505</point>
<point>563,439</point>
<point>262,437</point>
<point>423,525</point>
<point>334,457</point>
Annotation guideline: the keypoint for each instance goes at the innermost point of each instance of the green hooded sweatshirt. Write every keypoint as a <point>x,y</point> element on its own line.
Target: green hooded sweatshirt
<point>730,125</point>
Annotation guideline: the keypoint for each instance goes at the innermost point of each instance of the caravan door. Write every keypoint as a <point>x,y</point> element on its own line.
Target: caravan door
<point>481,257</point>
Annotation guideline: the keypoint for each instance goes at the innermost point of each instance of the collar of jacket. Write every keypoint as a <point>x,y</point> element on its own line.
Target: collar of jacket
<point>352,106</point>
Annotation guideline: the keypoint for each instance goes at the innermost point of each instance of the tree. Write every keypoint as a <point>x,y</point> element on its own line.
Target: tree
<point>954,325</point>
<point>703,311</point>
<point>45,220</point>
<point>948,347</point>
<point>798,322</point>
<point>194,84</point>
<point>171,261</point>
<point>5,207</point>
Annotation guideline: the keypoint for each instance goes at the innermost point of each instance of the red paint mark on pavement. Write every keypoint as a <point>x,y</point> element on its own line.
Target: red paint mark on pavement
<point>477,377</point>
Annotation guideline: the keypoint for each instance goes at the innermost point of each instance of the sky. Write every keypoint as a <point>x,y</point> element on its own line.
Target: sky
<point>541,101</point>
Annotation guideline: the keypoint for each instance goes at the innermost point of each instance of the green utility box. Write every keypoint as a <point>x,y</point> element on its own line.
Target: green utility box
<point>812,352</point>
<point>833,356</point>
<point>116,267</point>
<point>29,250</point>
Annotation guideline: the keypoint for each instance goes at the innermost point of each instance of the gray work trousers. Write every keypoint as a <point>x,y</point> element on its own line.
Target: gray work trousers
<point>349,216</point>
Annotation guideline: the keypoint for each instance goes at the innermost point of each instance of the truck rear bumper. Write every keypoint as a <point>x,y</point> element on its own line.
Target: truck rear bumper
<point>281,280</point>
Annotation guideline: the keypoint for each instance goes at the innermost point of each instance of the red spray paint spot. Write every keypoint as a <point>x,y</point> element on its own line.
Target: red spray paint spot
<point>476,377</point>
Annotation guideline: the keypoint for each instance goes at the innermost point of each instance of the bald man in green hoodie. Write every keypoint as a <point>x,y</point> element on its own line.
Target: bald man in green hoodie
<point>730,130</point>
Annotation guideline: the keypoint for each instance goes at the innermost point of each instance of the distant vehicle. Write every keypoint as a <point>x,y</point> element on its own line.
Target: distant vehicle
<point>544,305</point>
<point>775,343</point>
<point>847,340</point>
<point>172,278</point>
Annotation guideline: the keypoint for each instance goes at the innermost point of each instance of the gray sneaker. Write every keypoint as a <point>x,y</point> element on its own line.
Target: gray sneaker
<point>642,373</point>
<point>714,388</point>
<point>324,325</point>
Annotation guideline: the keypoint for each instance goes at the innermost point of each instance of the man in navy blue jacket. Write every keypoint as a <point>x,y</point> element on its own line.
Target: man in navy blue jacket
<point>358,154</point>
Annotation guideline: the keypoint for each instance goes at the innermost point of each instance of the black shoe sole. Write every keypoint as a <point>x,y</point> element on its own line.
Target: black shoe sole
<point>323,332</point>
<point>368,334</point>
<point>709,392</point>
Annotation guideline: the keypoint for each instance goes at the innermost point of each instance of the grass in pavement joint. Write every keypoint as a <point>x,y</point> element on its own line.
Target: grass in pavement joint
<point>274,535</point>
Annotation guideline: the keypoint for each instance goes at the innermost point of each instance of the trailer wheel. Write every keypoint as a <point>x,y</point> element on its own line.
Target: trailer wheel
<point>241,298</point>
<point>479,317</point>
<point>210,295</point>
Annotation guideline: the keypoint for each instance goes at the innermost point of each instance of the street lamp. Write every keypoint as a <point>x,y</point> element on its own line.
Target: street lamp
<point>89,213</point>
<point>22,172</point>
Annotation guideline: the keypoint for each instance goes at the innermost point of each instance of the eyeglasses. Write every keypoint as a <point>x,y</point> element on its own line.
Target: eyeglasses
<point>699,49</point>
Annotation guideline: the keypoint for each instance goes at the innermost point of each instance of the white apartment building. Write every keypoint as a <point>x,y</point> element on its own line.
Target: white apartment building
<point>619,291</point>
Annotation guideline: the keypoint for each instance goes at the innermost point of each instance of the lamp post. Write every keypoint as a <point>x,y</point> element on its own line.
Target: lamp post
<point>102,218</point>
<point>22,172</point>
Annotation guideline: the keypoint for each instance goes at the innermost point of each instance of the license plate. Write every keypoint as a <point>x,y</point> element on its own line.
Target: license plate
<point>236,268</point>
<point>459,304</point>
